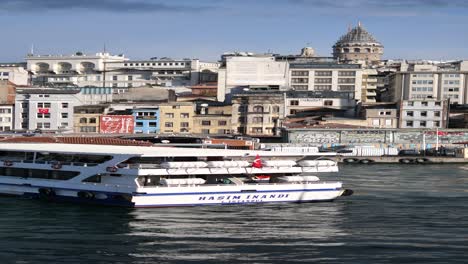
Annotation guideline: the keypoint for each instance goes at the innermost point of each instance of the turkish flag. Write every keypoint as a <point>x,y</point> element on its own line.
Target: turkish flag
<point>257,162</point>
<point>43,110</point>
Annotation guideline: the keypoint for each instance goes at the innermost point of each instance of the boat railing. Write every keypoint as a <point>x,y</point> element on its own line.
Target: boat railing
<point>50,162</point>
<point>245,184</point>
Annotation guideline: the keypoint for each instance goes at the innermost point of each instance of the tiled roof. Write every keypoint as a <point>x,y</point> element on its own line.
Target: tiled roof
<point>77,140</point>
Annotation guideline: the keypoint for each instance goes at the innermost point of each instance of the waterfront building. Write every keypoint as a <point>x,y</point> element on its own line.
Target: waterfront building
<point>381,116</point>
<point>146,120</point>
<point>86,118</point>
<point>78,69</point>
<point>328,76</point>
<point>6,117</point>
<point>358,45</point>
<point>246,69</point>
<point>46,109</point>
<point>369,85</point>
<point>423,113</point>
<point>118,72</point>
<point>425,79</point>
<point>258,112</point>
<point>15,73</point>
<point>212,118</point>
<point>303,101</point>
<point>7,92</point>
<point>176,117</point>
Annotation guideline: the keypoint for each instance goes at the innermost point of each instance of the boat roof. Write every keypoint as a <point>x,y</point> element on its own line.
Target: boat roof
<point>148,151</point>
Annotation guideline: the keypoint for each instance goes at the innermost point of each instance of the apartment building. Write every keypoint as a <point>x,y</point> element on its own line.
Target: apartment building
<point>423,113</point>
<point>176,117</point>
<point>6,117</point>
<point>212,118</point>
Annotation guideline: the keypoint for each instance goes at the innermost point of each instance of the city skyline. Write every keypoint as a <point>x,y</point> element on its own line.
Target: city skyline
<point>140,29</point>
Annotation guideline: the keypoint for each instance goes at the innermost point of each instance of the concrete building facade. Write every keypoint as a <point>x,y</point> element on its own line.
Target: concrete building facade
<point>45,109</point>
<point>86,118</point>
<point>258,113</point>
<point>176,117</point>
<point>15,73</point>
<point>423,79</point>
<point>423,113</point>
<point>6,117</point>
<point>212,118</point>
<point>146,120</point>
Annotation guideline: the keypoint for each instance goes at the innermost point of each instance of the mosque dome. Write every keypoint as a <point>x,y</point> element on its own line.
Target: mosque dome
<point>358,44</point>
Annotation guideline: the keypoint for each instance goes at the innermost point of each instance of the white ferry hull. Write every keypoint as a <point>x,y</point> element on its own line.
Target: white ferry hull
<point>186,196</point>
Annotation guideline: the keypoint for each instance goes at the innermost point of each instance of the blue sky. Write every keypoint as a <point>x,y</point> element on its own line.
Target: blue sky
<point>412,29</point>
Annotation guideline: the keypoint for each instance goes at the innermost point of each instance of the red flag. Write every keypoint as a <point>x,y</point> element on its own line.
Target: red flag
<point>441,133</point>
<point>43,110</point>
<point>257,162</point>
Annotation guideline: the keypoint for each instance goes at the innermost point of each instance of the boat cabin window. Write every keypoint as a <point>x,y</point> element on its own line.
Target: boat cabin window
<point>145,181</point>
<point>81,158</point>
<point>37,173</point>
<point>16,155</point>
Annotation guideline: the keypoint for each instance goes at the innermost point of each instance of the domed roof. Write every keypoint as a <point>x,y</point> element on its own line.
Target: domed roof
<point>357,35</point>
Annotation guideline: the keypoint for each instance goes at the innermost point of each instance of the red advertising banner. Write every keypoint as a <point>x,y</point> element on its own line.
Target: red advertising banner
<point>43,110</point>
<point>117,124</point>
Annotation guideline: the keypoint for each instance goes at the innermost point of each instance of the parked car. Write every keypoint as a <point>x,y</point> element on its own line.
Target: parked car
<point>337,149</point>
<point>441,152</point>
<point>409,152</point>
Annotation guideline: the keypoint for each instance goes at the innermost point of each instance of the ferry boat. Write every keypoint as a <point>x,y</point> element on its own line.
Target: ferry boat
<point>149,176</point>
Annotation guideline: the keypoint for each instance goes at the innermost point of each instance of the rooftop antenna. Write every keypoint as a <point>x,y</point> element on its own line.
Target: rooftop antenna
<point>32,49</point>
<point>359,24</point>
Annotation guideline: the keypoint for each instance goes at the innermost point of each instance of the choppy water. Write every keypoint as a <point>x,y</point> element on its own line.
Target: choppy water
<point>399,214</point>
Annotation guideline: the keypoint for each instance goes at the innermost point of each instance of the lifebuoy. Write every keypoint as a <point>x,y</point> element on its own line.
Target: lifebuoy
<point>56,166</point>
<point>112,169</point>
<point>8,163</point>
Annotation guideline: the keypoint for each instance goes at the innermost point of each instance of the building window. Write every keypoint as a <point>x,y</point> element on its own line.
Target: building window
<point>139,124</point>
<point>168,124</point>
<point>24,105</point>
<point>322,87</point>
<point>323,73</point>
<point>64,124</point>
<point>258,109</point>
<point>422,123</point>
<point>294,102</point>
<point>346,80</point>
<point>92,120</point>
<point>323,80</point>
<point>152,124</point>
<point>437,113</point>
<point>114,78</point>
<point>437,103</point>
<point>41,115</point>
<point>409,123</point>
<point>300,73</point>
<point>169,115</point>
<point>424,103</point>
<point>409,113</point>
<point>424,113</point>
<point>410,103</point>
<point>257,130</point>
<point>257,119</point>
<point>292,111</point>
<point>206,123</point>
<point>43,105</point>
<point>176,107</point>
<point>64,105</point>
<point>205,131</point>
<point>24,115</point>
<point>437,123</point>
<point>222,123</point>
<point>275,109</point>
<point>184,115</point>
<point>83,120</point>
<point>64,115</point>
<point>346,73</point>
<point>184,124</point>
<point>299,80</point>
<point>328,102</point>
